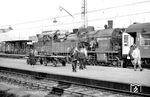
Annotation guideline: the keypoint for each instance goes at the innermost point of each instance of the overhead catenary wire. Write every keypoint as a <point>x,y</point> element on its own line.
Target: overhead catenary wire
<point>103,9</point>
<point>92,20</point>
<point>120,16</point>
<point>119,6</point>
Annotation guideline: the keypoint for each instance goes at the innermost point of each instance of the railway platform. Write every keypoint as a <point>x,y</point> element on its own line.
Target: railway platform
<point>114,78</point>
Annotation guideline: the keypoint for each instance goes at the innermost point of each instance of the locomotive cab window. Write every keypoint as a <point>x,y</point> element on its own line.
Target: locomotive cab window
<point>126,39</point>
<point>145,39</point>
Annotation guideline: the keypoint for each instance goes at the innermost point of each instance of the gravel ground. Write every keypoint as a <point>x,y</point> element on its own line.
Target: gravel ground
<point>9,90</point>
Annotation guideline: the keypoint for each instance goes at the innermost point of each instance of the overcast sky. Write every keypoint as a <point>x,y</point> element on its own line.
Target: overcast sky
<point>29,17</point>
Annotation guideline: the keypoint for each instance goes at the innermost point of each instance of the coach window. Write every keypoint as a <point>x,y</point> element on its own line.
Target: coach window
<point>145,39</point>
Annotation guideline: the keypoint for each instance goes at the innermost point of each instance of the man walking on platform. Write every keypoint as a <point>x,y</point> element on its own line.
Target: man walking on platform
<point>32,60</point>
<point>74,55</point>
<point>136,58</point>
<point>129,57</point>
<point>83,57</point>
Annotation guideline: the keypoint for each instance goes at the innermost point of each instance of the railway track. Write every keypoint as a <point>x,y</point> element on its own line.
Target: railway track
<point>57,88</point>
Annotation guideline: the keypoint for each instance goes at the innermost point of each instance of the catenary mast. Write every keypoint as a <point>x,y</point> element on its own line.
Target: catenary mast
<point>84,14</point>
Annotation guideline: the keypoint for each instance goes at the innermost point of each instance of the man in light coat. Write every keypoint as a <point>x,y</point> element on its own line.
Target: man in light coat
<point>83,57</point>
<point>136,58</point>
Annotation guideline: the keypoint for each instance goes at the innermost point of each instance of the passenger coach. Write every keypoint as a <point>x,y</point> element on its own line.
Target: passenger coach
<point>138,34</point>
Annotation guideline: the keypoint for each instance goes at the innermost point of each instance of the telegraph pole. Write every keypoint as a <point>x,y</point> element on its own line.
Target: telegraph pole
<point>84,14</point>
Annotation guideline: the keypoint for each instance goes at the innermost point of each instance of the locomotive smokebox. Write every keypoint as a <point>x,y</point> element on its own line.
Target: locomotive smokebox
<point>110,24</point>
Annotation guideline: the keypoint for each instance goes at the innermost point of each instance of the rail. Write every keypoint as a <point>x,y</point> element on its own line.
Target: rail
<point>55,87</point>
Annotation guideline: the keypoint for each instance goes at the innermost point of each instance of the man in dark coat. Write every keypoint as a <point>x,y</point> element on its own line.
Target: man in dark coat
<point>32,57</point>
<point>74,58</point>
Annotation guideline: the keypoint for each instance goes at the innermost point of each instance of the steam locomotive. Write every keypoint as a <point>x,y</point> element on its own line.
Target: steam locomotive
<point>105,50</point>
<point>112,45</point>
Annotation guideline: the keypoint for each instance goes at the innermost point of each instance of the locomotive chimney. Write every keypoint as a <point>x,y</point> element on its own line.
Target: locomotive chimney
<point>110,24</point>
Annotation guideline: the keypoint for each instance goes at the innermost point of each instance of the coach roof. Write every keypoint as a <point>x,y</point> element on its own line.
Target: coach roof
<point>139,27</point>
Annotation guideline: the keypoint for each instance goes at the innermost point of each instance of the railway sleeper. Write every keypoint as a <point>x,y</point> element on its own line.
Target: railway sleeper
<point>56,91</point>
<point>16,82</point>
<point>35,86</point>
<point>11,80</point>
<point>4,78</point>
<point>49,84</point>
<point>1,77</point>
<point>29,85</point>
<point>48,88</point>
<point>74,87</point>
<point>86,91</point>
<point>90,92</point>
<point>38,86</point>
<point>77,94</point>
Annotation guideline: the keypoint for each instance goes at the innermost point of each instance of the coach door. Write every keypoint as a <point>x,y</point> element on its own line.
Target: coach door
<point>145,45</point>
<point>127,41</point>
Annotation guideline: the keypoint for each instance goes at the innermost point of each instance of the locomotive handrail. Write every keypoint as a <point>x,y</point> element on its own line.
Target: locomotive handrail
<point>50,56</point>
<point>58,56</point>
<point>102,52</point>
<point>38,56</point>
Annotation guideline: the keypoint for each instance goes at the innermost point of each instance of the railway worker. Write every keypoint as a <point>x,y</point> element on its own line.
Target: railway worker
<point>83,57</point>
<point>32,57</point>
<point>35,52</point>
<point>55,36</point>
<point>93,44</point>
<point>136,58</point>
<point>129,57</point>
<point>74,59</point>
